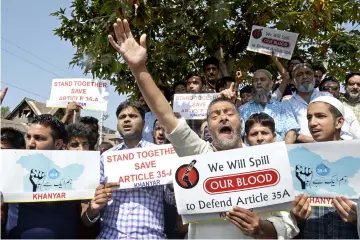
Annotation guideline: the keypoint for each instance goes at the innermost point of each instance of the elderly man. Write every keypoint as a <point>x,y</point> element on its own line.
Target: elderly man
<point>352,95</point>
<point>224,125</point>
<point>286,125</point>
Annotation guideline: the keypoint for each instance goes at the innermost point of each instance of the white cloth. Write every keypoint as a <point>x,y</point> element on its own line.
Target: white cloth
<point>350,129</point>
<point>148,127</point>
<point>186,143</point>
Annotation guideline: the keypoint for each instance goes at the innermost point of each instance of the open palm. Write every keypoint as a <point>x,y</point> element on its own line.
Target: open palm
<point>133,53</point>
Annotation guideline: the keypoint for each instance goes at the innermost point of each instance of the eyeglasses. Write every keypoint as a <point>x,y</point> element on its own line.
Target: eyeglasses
<point>326,88</point>
<point>77,144</point>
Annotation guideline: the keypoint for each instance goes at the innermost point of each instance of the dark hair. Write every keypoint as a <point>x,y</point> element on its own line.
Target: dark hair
<point>246,89</point>
<point>194,74</point>
<point>335,112</point>
<point>328,79</point>
<point>210,60</point>
<point>296,58</point>
<point>260,118</point>
<point>222,82</point>
<point>90,120</point>
<point>216,100</point>
<point>178,83</point>
<point>156,120</point>
<point>135,105</point>
<point>350,75</point>
<point>166,91</point>
<point>58,130</point>
<point>319,68</point>
<point>79,130</point>
<point>13,137</point>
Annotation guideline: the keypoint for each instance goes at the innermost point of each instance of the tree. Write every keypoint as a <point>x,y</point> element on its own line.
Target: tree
<point>4,111</point>
<point>183,33</point>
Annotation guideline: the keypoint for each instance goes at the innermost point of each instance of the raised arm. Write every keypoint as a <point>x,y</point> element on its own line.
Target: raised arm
<point>135,57</point>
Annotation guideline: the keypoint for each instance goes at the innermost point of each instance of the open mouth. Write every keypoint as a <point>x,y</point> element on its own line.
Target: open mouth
<point>127,127</point>
<point>315,132</point>
<point>226,130</point>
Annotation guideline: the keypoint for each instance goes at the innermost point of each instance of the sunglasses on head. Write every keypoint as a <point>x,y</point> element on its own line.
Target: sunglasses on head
<point>326,88</point>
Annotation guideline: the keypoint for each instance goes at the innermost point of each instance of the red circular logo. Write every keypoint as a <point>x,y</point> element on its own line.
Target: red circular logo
<point>187,176</point>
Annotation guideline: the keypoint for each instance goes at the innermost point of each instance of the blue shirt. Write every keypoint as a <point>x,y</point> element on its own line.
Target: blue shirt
<point>136,213</point>
<point>43,220</point>
<point>280,112</point>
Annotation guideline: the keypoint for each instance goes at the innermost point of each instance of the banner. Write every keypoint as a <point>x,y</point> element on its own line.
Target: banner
<point>41,176</point>
<point>193,106</point>
<point>90,94</point>
<point>326,169</point>
<point>219,216</point>
<point>247,177</point>
<point>272,42</point>
<point>140,167</point>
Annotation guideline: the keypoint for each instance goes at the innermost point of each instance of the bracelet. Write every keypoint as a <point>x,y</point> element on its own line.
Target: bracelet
<point>94,220</point>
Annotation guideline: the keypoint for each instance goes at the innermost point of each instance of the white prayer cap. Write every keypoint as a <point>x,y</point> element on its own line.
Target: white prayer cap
<point>332,101</point>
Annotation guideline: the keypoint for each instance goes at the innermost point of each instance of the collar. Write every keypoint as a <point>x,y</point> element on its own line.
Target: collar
<point>122,145</point>
<point>345,99</point>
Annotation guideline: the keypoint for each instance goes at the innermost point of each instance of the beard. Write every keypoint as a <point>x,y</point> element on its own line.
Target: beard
<point>261,95</point>
<point>222,143</point>
<point>305,87</point>
<point>354,95</point>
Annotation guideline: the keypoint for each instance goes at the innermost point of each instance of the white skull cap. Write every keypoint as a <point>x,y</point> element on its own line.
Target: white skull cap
<point>332,101</point>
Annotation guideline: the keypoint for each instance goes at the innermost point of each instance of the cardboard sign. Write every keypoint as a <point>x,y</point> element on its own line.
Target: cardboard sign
<point>90,94</point>
<point>41,176</point>
<point>247,177</point>
<point>140,167</point>
<point>193,106</point>
<point>326,169</point>
<point>272,42</point>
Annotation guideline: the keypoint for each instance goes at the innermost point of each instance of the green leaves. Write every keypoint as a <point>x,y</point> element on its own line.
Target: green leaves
<point>181,34</point>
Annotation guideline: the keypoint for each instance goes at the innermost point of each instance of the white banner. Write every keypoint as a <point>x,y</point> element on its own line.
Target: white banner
<point>196,218</point>
<point>140,167</point>
<point>90,94</point>
<point>247,177</point>
<point>272,42</point>
<point>40,176</point>
<point>193,106</point>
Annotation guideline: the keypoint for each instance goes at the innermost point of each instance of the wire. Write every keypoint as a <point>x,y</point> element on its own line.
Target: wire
<point>33,54</point>
<point>31,63</point>
<point>24,90</point>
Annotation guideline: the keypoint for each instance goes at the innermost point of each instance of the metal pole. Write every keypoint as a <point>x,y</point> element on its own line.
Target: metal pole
<point>101,127</point>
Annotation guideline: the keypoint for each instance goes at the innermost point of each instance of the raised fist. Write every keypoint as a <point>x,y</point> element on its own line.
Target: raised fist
<point>304,174</point>
<point>36,178</point>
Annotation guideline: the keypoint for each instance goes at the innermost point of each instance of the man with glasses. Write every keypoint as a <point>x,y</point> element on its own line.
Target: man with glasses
<point>352,95</point>
<point>351,127</point>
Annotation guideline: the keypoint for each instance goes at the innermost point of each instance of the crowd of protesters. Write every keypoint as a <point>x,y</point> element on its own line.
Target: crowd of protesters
<point>305,106</point>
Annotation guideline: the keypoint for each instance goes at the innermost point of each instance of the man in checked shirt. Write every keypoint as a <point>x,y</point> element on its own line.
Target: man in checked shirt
<point>136,213</point>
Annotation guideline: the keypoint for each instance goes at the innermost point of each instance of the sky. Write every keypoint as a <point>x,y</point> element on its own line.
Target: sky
<point>26,40</point>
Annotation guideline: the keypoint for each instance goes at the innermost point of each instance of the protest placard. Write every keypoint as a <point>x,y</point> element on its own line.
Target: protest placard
<point>325,170</point>
<point>251,177</point>
<point>41,176</point>
<point>218,216</point>
<point>193,106</point>
<point>140,167</point>
<point>272,42</point>
<point>89,93</point>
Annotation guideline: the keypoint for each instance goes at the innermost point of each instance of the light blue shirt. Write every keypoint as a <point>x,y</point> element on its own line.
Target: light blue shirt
<point>280,112</point>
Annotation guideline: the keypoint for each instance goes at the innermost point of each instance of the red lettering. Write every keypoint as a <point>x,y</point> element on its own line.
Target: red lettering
<point>151,164</point>
<point>78,91</point>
